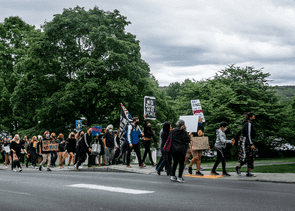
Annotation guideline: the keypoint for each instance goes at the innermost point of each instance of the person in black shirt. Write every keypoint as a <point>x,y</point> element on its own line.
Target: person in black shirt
<point>33,151</point>
<point>16,147</point>
<point>102,147</point>
<point>53,153</point>
<point>22,155</point>
<point>179,145</point>
<point>61,149</point>
<point>71,148</point>
<point>148,136</point>
<point>84,147</point>
<point>45,154</point>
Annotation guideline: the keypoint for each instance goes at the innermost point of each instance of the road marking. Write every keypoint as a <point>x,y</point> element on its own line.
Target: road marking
<point>8,191</point>
<point>111,189</point>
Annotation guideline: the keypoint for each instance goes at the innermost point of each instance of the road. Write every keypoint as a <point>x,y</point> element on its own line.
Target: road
<point>34,190</point>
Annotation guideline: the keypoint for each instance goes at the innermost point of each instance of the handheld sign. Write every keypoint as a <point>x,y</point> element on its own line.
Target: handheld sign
<point>201,142</point>
<point>197,109</point>
<point>150,107</point>
<point>96,130</point>
<point>78,125</point>
<point>191,122</point>
<point>49,145</point>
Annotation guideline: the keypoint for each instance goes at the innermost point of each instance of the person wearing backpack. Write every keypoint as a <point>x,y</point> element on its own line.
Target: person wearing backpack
<point>133,136</point>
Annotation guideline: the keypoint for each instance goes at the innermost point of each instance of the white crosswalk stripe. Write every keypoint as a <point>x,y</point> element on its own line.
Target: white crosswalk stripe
<point>111,189</point>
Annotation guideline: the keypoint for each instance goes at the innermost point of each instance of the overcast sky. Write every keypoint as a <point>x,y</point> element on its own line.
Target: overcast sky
<point>193,38</point>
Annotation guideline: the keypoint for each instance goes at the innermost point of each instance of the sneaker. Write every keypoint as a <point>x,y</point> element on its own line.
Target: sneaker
<point>226,174</point>
<point>19,169</point>
<point>143,165</point>
<point>190,170</point>
<point>43,168</point>
<point>173,178</point>
<point>249,174</point>
<point>128,166</point>
<point>5,167</point>
<point>40,168</point>
<point>14,170</point>
<point>159,173</point>
<point>198,173</point>
<point>69,167</point>
<point>32,166</point>
<point>48,169</point>
<point>238,170</point>
<point>180,179</point>
<point>80,167</point>
<point>214,173</point>
<point>36,167</point>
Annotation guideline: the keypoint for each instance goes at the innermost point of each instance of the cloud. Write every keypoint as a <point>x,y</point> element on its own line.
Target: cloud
<point>194,39</point>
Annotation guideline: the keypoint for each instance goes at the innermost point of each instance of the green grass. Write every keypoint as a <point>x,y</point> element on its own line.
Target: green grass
<point>281,168</point>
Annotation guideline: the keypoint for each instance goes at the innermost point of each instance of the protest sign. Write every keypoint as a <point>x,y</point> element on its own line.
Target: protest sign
<point>150,107</point>
<point>78,125</point>
<point>197,109</point>
<point>191,122</point>
<point>200,143</point>
<point>96,130</point>
<point>49,145</point>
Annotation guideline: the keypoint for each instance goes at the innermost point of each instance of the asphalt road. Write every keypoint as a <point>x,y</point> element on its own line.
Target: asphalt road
<point>36,190</point>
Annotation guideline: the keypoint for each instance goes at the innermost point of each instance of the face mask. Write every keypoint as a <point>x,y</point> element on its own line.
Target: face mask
<point>110,130</point>
<point>137,123</point>
<point>47,135</point>
<point>17,138</point>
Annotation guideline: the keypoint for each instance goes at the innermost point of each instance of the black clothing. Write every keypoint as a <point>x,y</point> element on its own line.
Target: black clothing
<point>110,140</point>
<point>16,147</point>
<point>165,162</point>
<point>220,157</point>
<point>147,146</point>
<point>71,145</point>
<point>62,144</point>
<point>136,148</point>
<point>178,157</point>
<point>164,137</point>
<point>100,138</point>
<point>180,141</point>
<point>85,145</point>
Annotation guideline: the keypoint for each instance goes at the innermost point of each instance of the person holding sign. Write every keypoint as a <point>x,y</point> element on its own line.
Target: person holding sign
<point>148,135</point>
<point>45,154</point>
<point>220,145</point>
<point>197,154</point>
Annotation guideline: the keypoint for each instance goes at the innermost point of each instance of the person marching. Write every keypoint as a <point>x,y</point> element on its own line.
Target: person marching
<point>110,145</point>
<point>61,149</point>
<point>84,147</point>
<point>45,154</point>
<point>220,145</point>
<point>71,148</point>
<point>102,147</point>
<point>16,147</point>
<point>148,135</point>
<point>133,135</point>
<point>179,144</point>
<point>53,153</point>
<point>197,154</point>
<point>33,151</point>
<point>247,146</point>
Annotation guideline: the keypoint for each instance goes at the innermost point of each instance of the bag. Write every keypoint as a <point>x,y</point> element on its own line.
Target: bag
<point>168,143</point>
<point>7,149</point>
<point>96,148</point>
<point>15,158</point>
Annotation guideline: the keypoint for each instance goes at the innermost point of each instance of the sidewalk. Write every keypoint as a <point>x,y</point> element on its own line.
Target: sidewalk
<point>260,177</point>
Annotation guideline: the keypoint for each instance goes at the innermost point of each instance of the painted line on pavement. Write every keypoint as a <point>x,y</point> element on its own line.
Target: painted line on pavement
<point>111,189</point>
<point>8,191</point>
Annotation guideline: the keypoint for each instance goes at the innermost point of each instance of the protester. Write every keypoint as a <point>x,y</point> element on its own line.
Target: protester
<point>46,154</point>
<point>39,155</point>
<point>133,135</point>
<point>179,144</point>
<point>148,136</point>
<point>123,147</point>
<point>33,151</point>
<point>166,158</point>
<point>22,155</point>
<point>71,148</point>
<point>16,147</point>
<point>118,150</point>
<point>84,147</point>
<point>6,152</point>
<point>8,142</point>
<point>78,139</point>
<point>220,145</point>
<point>102,147</point>
<point>61,149</point>
<point>110,145</point>
<point>197,154</point>
<point>53,153</point>
<point>246,145</point>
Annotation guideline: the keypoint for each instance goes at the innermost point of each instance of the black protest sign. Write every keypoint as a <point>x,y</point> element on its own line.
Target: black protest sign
<point>150,107</point>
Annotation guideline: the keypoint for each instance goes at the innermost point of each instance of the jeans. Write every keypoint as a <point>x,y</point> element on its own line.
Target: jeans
<point>109,155</point>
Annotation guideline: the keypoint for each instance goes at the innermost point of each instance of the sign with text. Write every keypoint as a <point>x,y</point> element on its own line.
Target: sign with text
<point>78,125</point>
<point>96,130</point>
<point>150,107</point>
<point>200,143</point>
<point>197,109</point>
<point>49,145</point>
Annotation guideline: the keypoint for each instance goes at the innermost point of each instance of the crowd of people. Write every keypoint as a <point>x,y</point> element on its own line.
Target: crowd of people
<point>111,146</point>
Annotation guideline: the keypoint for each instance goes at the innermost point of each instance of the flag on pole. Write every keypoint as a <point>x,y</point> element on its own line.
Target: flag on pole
<point>125,119</point>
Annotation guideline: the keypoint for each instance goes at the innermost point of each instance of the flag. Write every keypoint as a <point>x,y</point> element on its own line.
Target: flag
<point>125,119</point>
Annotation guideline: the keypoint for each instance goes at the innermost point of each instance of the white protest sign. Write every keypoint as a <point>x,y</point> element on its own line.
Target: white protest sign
<point>197,109</point>
<point>191,122</point>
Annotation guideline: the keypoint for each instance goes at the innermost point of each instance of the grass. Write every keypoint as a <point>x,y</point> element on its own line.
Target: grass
<point>281,168</point>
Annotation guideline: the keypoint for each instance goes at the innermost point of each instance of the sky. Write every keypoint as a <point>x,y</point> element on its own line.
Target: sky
<point>193,38</point>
